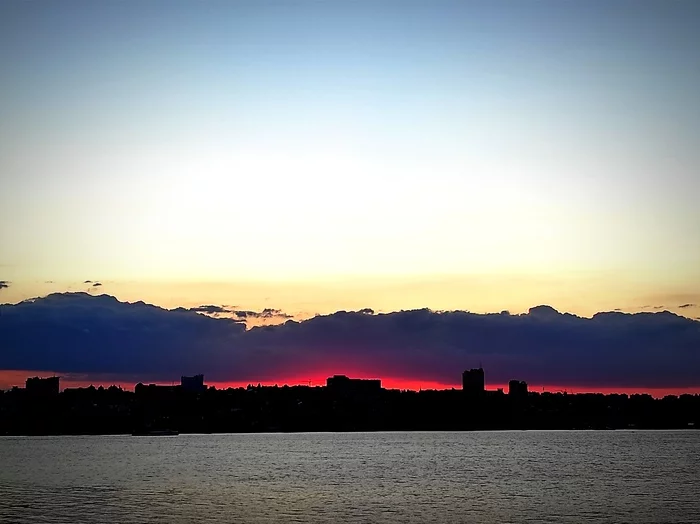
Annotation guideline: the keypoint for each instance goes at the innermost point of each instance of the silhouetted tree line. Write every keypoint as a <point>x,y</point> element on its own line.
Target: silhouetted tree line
<point>302,408</point>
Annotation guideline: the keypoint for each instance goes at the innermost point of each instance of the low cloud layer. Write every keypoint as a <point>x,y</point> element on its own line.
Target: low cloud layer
<point>240,315</point>
<point>80,333</point>
<point>210,309</point>
<point>265,313</point>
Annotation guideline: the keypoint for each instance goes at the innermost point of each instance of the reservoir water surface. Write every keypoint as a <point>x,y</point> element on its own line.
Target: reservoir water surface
<point>490,477</point>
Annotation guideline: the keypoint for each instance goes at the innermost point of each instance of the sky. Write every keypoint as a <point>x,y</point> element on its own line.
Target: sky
<point>318,156</point>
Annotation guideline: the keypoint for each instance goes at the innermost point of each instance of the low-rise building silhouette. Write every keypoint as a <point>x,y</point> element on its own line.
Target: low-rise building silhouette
<point>154,389</point>
<point>345,404</point>
<point>43,387</point>
<point>353,386</point>
<point>517,389</point>
<point>473,381</point>
<point>194,383</point>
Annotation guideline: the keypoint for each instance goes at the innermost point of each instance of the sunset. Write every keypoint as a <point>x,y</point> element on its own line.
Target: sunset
<point>312,158</point>
<point>276,193</point>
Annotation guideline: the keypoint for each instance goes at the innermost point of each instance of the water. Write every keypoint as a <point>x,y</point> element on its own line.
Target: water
<point>497,477</point>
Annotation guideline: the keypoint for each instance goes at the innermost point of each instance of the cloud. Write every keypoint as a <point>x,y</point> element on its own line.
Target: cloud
<point>683,306</point>
<point>4,284</point>
<point>83,333</point>
<point>210,309</point>
<point>266,313</point>
<point>97,284</point>
<point>241,315</point>
<point>80,333</point>
<point>272,313</point>
<point>88,282</point>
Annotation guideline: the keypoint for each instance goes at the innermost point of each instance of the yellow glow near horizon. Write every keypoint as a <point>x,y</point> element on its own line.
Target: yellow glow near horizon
<point>582,294</point>
<point>252,215</point>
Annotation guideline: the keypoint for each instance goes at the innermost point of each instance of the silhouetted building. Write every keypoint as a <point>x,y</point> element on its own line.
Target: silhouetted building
<point>517,389</point>
<point>42,387</point>
<point>473,381</point>
<point>154,389</point>
<point>345,405</point>
<point>354,386</point>
<point>195,383</point>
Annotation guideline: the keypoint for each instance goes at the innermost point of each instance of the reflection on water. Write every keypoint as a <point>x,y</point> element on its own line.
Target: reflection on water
<point>559,477</point>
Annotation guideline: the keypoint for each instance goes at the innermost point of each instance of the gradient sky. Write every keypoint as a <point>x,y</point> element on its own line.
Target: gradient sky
<point>509,152</point>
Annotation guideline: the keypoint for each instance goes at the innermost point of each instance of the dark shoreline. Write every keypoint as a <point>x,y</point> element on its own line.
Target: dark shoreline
<point>297,409</point>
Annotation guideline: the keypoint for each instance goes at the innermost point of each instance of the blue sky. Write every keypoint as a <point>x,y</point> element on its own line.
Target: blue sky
<point>234,141</point>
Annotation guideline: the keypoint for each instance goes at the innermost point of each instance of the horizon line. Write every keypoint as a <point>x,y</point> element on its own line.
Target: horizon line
<point>410,385</point>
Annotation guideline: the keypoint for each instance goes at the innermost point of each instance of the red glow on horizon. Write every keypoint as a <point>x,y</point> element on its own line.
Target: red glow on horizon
<point>9,378</point>
<point>387,383</point>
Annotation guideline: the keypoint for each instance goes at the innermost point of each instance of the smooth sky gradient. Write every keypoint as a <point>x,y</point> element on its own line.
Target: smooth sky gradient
<point>509,151</point>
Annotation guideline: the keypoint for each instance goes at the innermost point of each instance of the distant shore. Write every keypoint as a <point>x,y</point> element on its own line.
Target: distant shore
<point>163,410</point>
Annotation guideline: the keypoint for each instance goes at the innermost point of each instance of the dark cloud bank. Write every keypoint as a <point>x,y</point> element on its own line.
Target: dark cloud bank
<point>80,333</point>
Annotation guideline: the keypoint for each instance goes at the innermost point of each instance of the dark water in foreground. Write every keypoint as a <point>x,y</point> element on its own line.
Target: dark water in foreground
<point>616,477</point>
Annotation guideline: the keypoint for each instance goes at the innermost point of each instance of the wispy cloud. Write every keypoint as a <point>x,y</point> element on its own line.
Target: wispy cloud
<point>267,313</point>
<point>265,316</point>
<point>92,284</point>
<point>210,309</point>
